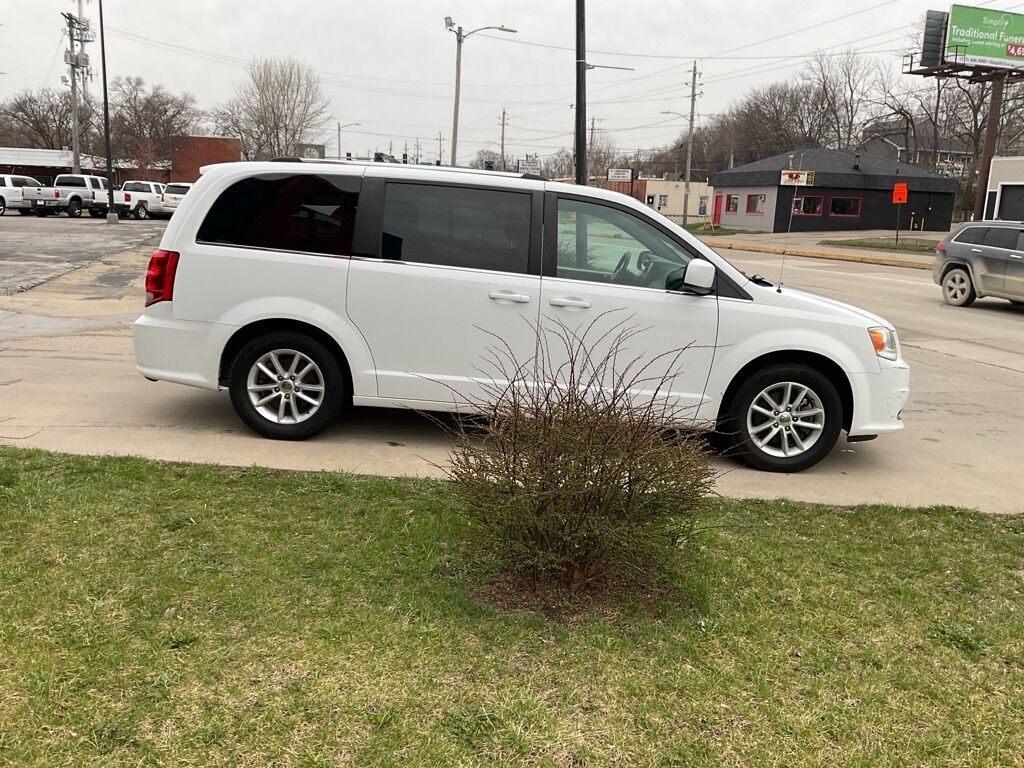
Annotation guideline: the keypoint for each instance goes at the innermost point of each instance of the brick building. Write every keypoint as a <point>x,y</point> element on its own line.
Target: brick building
<point>190,153</point>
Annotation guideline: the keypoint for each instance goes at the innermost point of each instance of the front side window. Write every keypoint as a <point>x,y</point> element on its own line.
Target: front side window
<point>24,181</point>
<point>844,206</point>
<point>732,203</point>
<point>755,205</point>
<point>807,206</point>
<point>457,227</point>
<point>602,244</point>
<point>305,212</point>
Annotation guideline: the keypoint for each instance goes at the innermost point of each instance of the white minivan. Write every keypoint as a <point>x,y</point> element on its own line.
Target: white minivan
<point>304,286</point>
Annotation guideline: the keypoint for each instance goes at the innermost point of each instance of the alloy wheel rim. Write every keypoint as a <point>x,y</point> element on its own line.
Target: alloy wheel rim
<point>956,286</point>
<point>285,386</point>
<point>786,419</point>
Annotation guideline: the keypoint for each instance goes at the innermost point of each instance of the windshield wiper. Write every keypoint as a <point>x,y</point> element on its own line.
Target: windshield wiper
<point>758,279</point>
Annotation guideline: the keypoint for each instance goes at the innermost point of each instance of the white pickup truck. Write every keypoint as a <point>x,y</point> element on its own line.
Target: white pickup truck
<point>71,193</point>
<point>140,199</point>
<point>12,187</point>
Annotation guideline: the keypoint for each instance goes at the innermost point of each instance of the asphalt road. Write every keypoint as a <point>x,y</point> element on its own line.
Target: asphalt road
<point>34,250</point>
<point>68,382</point>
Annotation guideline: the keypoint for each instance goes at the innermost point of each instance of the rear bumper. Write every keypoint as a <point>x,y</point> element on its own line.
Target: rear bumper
<point>879,399</point>
<point>180,351</point>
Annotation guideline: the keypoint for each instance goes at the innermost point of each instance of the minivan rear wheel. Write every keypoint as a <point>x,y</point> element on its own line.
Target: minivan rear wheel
<point>957,288</point>
<point>286,386</point>
<point>785,418</point>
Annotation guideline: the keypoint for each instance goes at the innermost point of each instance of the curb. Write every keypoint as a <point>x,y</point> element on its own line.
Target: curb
<point>862,258</point>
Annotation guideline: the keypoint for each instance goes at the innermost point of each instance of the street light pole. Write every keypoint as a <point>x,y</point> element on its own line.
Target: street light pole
<point>111,213</point>
<point>340,126</point>
<point>689,144</point>
<point>581,93</point>
<point>460,36</point>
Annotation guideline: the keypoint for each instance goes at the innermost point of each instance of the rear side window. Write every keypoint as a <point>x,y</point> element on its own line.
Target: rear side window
<point>1001,237</point>
<point>70,181</point>
<point>175,189</point>
<point>314,214</point>
<point>972,235</point>
<point>457,227</point>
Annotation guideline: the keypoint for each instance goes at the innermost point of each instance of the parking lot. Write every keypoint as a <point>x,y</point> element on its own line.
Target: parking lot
<point>69,381</point>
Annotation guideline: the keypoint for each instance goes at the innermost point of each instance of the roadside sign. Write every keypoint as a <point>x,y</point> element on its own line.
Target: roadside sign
<point>899,193</point>
<point>530,165</point>
<point>985,37</point>
<point>620,174</point>
<point>797,179</point>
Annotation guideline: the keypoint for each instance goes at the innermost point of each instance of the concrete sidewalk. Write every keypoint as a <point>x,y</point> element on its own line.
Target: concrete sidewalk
<point>807,244</point>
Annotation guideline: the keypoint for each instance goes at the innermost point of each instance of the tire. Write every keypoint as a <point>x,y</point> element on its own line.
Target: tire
<point>246,372</point>
<point>1017,303</point>
<point>24,211</point>
<point>3,206</point>
<point>957,288</point>
<point>769,438</point>
<point>141,212</point>
<point>74,209</point>
<point>96,213</point>
<point>42,213</point>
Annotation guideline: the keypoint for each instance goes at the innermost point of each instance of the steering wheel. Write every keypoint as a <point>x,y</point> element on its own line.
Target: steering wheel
<point>623,263</point>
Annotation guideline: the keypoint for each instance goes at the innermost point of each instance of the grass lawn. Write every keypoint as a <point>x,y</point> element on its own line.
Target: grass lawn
<point>155,614</point>
<point>912,245</point>
<point>700,228</point>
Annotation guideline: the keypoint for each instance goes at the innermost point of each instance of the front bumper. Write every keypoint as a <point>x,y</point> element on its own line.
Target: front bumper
<point>879,399</point>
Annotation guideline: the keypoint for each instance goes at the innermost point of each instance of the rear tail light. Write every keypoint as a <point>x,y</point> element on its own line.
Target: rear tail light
<point>938,247</point>
<point>127,197</point>
<point>93,194</point>
<point>160,276</point>
<point>56,193</point>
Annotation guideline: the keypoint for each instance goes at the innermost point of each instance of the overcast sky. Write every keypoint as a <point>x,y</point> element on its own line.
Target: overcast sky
<point>389,64</point>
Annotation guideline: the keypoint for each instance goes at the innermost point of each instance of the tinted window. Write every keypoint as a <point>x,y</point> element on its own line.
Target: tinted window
<point>175,189</point>
<point>457,227</point>
<point>1001,237</point>
<point>607,245</point>
<point>308,213</point>
<point>3,182</point>
<point>135,186</point>
<point>24,181</point>
<point>972,235</point>
<point>70,181</point>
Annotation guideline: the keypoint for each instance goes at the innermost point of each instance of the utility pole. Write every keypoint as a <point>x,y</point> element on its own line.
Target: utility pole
<point>581,93</point>
<point>84,36</point>
<point>339,140</point>
<point>417,150</point>
<point>503,140</point>
<point>689,146</point>
<point>440,149</point>
<point>73,72</point>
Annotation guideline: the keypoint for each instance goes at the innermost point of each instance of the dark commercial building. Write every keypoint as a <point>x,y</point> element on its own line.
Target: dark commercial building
<point>848,191</point>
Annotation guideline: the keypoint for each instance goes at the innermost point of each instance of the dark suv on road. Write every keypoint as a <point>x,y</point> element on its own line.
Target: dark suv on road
<point>981,258</point>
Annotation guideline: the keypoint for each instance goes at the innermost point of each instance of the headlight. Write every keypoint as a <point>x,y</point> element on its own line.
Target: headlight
<point>884,342</point>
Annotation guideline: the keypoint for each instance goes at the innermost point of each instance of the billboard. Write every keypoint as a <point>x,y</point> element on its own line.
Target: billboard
<point>620,174</point>
<point>529,165</point>
<point>985,38</point>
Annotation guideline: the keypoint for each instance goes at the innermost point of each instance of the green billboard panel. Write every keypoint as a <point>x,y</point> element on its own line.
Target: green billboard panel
<point>985,37</point>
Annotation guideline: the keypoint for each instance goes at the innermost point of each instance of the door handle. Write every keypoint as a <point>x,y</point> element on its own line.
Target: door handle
<point>568,302</point>
<point>975,250</point>
<point>518,298</point>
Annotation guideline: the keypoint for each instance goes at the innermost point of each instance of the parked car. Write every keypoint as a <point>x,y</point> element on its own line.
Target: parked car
<point>172,196</point>
<point>12,188</point>
<point>981,258</point>
<point>140,199</point>
<point>304,286</point>
<point>71,193</point>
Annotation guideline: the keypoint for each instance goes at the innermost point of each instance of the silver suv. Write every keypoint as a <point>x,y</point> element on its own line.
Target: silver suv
<point>981,258</point>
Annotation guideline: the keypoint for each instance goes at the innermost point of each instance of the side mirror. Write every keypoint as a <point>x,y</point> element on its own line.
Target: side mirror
<point>699,277</point>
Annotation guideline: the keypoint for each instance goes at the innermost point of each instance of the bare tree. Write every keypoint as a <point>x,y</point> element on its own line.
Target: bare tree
<point>842,86</point>
<point>42,118</point>
<point>277,107</point>
<point>485,156</point>
<point>560,165</point>
<point>144,123</point>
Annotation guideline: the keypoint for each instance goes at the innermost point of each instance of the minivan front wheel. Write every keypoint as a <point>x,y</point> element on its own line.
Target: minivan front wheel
<point>785,418</point>
<point>286,386</point>
<point>957,288</point>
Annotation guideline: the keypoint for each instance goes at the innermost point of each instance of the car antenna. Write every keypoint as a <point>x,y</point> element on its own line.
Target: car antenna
<point>785,247</point>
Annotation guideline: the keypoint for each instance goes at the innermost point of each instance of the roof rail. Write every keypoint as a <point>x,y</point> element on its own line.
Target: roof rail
<point>393,161</point>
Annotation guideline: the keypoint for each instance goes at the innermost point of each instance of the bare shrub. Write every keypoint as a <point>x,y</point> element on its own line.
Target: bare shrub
<point>574,471</point>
